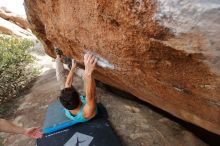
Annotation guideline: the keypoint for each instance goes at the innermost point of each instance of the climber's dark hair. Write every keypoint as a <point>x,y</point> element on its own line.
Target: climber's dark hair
<point>69,98</point>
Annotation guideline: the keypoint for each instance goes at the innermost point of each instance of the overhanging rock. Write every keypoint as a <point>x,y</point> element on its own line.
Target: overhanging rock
<point>164,52</point>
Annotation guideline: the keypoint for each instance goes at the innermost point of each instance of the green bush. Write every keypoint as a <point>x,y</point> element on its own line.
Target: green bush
<point>15,70</point>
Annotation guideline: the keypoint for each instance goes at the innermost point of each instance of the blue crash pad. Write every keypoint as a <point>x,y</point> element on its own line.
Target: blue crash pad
<point>60,131</point>
<point>55,118</point>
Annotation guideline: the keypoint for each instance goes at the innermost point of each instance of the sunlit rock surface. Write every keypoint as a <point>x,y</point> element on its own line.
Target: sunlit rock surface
<point>166,53</point>
<point>13,19</point>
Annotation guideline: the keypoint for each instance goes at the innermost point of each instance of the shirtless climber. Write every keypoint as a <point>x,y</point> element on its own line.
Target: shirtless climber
<point>78,108</point>
<point>6,126</point>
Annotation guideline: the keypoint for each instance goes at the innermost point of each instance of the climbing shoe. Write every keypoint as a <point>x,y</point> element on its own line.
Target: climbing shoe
<point>58,51</point>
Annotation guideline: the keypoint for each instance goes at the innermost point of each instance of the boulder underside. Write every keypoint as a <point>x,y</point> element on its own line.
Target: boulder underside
<point>168,58</point>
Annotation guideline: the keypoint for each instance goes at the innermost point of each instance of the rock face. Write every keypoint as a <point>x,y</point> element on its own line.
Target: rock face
<point>164,52</point>
<point>7,15</point>
<point>13,24</point>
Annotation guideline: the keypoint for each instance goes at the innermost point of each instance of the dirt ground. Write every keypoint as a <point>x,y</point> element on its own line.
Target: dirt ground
<point>135,123</point>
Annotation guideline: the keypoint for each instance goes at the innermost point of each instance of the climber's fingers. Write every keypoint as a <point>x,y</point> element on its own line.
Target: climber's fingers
<point>92,59</point>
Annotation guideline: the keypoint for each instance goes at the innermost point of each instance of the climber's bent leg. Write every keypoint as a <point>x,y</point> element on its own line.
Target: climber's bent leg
<point>60,73</point>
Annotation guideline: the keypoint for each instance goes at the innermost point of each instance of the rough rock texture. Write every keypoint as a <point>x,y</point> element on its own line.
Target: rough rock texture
<point>164,52</point>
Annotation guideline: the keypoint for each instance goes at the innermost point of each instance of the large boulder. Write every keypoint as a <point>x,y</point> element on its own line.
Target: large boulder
<point>165,52</point>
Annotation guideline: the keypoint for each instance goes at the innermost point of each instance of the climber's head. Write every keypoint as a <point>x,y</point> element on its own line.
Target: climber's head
<point>69,98</point>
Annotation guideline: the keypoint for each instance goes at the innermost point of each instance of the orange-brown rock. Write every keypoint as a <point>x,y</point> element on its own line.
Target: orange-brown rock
<point>164,52</point>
